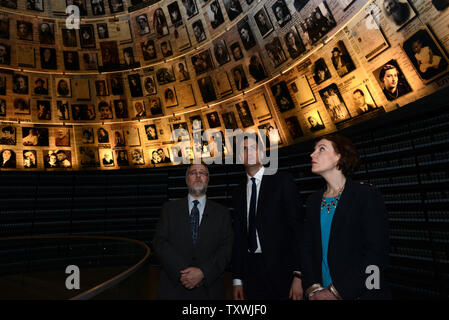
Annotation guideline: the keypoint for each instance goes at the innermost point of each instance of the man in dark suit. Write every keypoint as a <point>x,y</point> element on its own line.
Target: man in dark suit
<point>193,242</point>
<point>267,226</point>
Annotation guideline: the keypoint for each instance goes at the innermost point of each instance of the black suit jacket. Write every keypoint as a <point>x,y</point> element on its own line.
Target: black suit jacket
<point>175,250</point>
<point>358,238</point>
<point>278,221</point>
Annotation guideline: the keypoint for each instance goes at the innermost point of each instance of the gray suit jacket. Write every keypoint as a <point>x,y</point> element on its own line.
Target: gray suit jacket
<point>175,250</point>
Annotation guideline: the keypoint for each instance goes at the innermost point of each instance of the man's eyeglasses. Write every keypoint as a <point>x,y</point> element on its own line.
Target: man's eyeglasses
<point>200,173</point>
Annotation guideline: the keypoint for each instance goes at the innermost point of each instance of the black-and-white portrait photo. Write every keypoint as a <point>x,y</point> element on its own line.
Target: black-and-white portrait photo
<point>166,48</point>
<point>165,75</point>
<point>48,58</point>
<point>102,30</point>
<point>34,136</point>
<point>137,157</point>
<point>244,114</point>
<point>198,31</point>
<point>43,109</point>
<point>362,101</point>
<point>97,7</point>
<point>240,80</point>
<point>21,106</point>
<point>319,22</point>
<point>29,159</point>
<point>122,157</point>
<point>11,4</point>
<point>149,85</point>
<point>105,110</point>
<point>87,36</point>
<point>392,80</point>
<point>295,47</point>
<point>116,6</point>
<point>229,120</point>
<point>207,89</point>
<point>160,23</point>
<point>109,54</point>
<point>213,119</point>
<point>314,121</point>
<point>20,84</point>
<point>8,135</point>
<point>101,88</point>
<point>135,85</point>
<point>281,12</point>
<point>426,56</point>
<point>121,109</point>
<point>275,52</point>
<point>170,98</point>
<point>148,50</point>
<point>62,110</point>
<point>175,14</point>
<point>139,109</point>
<point>334,103</point>
<point>88,157</point>
<point>4,27</point>
<point>116,86</point>
<point>83,112</point>
<point>7,158</point>
<point>63,87</point>
<point>128,58</point>
<point>2,108</point>
<point>282,96</point>
<point>71,60</point>
<point>233,8</point>
<point>341,60</point>
<point>107,157</point>
<point>143,26</point>
<point>5,54</point>
<point>90,61</point>
<point>215,14</point>
<point>398,11</point>
<point>155,106</point>
<point>246,35</point>
<point>118,138</point>
<point>46,33</point>
<point>36,5</point>
<point>221,52</point>
<point>263,22</point>
<point>202,62</point>
<point>151,131</point>
<point>190,8</point>
<point>24,30</point>
<point>320,71</point>
<point>256,68</point>
<point>81,4</point>
<point>236,51</point>
<point>40,86</point>
<point>2,84</point>
<point>102,135</point>
<point>293,127</point>
<point>69,37</point>
<point>182,74</point>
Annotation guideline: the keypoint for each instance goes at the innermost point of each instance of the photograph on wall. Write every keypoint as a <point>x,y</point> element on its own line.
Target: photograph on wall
<point>3,84</point>
<point>62,110</point>
<point>160,23</point>
<point>34,136</point>
<point>87,135</point>
<point>233,8</point>
<point>132,136</point>
<point>165,75</point>
<point>215,14</point>
<point>102,31</point>
<point>122,30</point>
<point>88,157</point>
<point>118,138</point>
<point>46,32</point>
<point>236,51</point>
<point>148,50</point>
<point>240,79</point>
<point>101,88</point>
<point>43,110</point>
<point>319,22</point>
<point>116,85</point>
<point>57,158</point>
<point>29,159</point>
<point>170,98</point>
<point>21,106</point>
<point>5,54</point>
<point>175,14</point>
<point>259,104</point>
<point>281,12</point>
<point>27,56</point>
<point>137,157</point>
<point>102,135</point>
<point>160,156</point>
<point>166,48</point>
<point>128,59</point>
<point>275,52</point>
<point>142,24</point>
<point>71,60</point>
<point>151,131</point>
<point>197,123</point>
<point>149,85</point>
<point>221,52</point>
<point>2,107</point>
<point>399,12</point>
<point>82,89</point>
<point>229,120</point>
<point>97,7</point>
<point>105,110</point>
<point>341,60</point>
<point>302,91</point>
<point>139,109</point>
<point>87,36</point>
<point>294,44</point>
<point>181,72</point>
<point>24,30</point>
<point>282,97</point>
<point>207,89</point>
<point>213,119</point>
<point>293,127</point>
<point>8,135</point>
<point>11,4</point>
<point>392,80</point>
<point>202,62</point>
<point>40,86</point>
<point>122,158</point>
<point>223,84</point>
<point>320,71</point>
<point>121,108</point>
<point>20,84</point>
<point>155,106</point>
<point>182,38</point>
<point>109,54</point>
<point>246,34</point>
<point>256,68</point>
<point>362,101</point>
<point>90,60</point>
<point>188,97</point>
<point>4,26</point>
<point>48,58</point>
<point>63,87</point>
<point>179,131</point>
<point>263,22</point>
<point>244,114</point>
<point>116,6</point>
<point>426,56</point>
<point>198,31</point>
<point>271,132</point>
<point>334,103</point>
<point>7,158</point>
<point>107,157</point>
<point>62,137</point>
<point>135,85</point>
<point>190,8</point>
<point>69,37</point>
<point>440,5</point>
<point>83,112</point>
<point>370,40</point>
<point>314,121</point>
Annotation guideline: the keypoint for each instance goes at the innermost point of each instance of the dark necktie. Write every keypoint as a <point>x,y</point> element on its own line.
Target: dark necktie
<point>195,220</point>
<point>252,239</point>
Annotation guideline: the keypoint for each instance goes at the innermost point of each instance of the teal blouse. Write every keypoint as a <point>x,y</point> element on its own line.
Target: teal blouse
<point>326,222</point>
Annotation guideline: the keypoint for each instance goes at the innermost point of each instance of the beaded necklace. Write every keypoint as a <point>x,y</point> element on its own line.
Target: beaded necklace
<point>333,203</point>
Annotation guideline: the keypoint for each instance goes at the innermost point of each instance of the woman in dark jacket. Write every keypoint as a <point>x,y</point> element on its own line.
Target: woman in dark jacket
<point>345,245</point>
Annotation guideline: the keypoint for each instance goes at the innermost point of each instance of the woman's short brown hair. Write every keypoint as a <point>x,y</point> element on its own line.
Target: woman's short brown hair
<point>349,157</point>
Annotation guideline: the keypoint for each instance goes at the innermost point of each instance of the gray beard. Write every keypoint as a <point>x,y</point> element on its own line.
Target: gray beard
<point>198,192</point>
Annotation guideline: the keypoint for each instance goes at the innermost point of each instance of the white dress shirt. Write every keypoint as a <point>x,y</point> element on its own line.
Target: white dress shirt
<point>201,205</point>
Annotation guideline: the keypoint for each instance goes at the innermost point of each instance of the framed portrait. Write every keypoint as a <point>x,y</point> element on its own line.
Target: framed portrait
<point>155,106</point>
<point>142,24</point>
<point>240,79</point>
<point>174,14</point>
<point>148,50</point>
<point>190,8</point>
<point>281,12</point>
<point>63,87</point>
<point>81,4</point>
<point>314,121</point>
<point>10,4</point>
<point>256,68</point>
<point>62,137</point>
<point>426,55</point>
<point>341,60</point>
<point>179,131</point>
<point>229,120</point>
<point>151,131</point>
<point>20,84</point>
<point>2,108</point>
<point>116,6</point>
<point>122,31</point>
<point>202,62</point>
<point>32,136</point>
<point>207,89</point>
<point>223,84</point>
<point>293,41</point>
<point>21,106</point>
<point>282,96</point>
<point>109,54</point>
<point>320,71</point>
<point>121,108</point>
<point>263,22</point>
<point>236,51</point>
<point>182,38</point>
<point>102,135</point>
<point>118,138</point>
<point>160,156</point>
<point>392,80</point>
<point>170,98</point>
<point>259,104</point>
<point>82,89</point>
<point>97,7</point>
<point>246,34</point>
<point>160,23</point>
<point>166,48</point>
<point>105,110</point>
<point>69,37</point>
<point>43,109</point>
<point>198,31</point>
<point>29,159</point>
<point>181,72</point>
<point>102,31</point>
<point>116,83</point>
<point>361,101</point>
<point>122,158</point>
<point>271,132</point>
<point>3,84</point>
<point>196,122</point>
<point>90,61</point>
<point>334,103</point>
<point>8,135</point>
<point>62,110</point>
<point>27,57</point>
<point>370,41</point>
<point>137,157</point>
<point>71,60</point>
<point>165,75</point>
<point>101,88</point>
<point>48,58</point>
<point>83,112</point>
<point>398,12</point>
<point>5,54</point>
<point>107,157</point>
<point>302,91</point>
<point>149,85</point>
<point>132,136</point>
<point>46,32</point>
<point>215,14</point>
<point>135,85</point>
<point>139,109</point>
<point>319,22</point>
<point>87,36</point>
<point>233,8</point>
<point>88,157</point>
<point>4,26</point>
<point>8,158</point>
<point>244,114</point>
<point>275,52</point>
<point>221,52</point>
<point>57,159</point>
<point>213,119</point>
<point>293,127</point>
<point>24,30</point>
<point>188,98</point>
